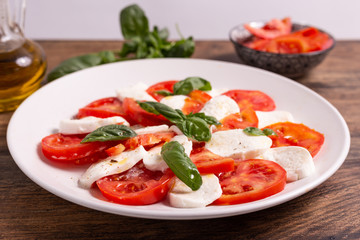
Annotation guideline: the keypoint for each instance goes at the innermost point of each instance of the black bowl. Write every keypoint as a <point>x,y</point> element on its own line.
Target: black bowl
<point>289,65</point>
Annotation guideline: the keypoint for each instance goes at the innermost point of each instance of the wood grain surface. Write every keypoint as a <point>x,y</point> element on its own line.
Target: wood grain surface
<point>331,211</point>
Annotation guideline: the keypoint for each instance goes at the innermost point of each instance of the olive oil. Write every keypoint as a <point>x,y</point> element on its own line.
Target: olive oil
<point>21,72</point>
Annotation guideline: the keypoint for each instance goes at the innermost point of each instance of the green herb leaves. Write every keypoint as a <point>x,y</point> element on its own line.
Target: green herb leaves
<point>140,42</point>
<point>253,131</point>
<point>175,157</point>
<point>109,133</point>
<point>195,126</point>
<point>189,84</point>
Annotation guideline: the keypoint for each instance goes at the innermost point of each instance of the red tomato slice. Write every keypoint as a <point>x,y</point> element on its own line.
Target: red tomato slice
<point>251,180</point>
<point>191,106</point>
<point>137,186</point>
<point>296,134</point>
<point>102,108</point>
<point>246,118</point>
<point>140,116</point>
<point>208,162</point>
<point>256,100</point>
<point>287,44</point>
<point>166,85</point>
<point>200,96</point>
<point>274,28</point>
<point>148,140</point>
<point>115,150</point>
<point>67,148</point>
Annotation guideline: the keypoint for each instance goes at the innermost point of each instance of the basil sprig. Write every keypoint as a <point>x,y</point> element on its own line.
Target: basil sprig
<point>195,126</point>
<point>140,42</point>
<point>253,131</point>
<point>175,157</point>
<point>186,86</point>
<point>110,133</point>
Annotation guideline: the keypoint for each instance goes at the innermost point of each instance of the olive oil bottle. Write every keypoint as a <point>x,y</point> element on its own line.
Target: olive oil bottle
<point>22,61</point>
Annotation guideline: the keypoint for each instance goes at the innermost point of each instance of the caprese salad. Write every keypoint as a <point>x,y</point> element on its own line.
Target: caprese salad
<point>186,143</point>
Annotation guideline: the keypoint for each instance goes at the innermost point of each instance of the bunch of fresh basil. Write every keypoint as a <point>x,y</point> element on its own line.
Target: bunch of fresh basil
<point>140,42</point>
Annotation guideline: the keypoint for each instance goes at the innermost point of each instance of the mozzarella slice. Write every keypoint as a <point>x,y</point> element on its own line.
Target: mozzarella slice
<point>137,92</point>
<point>153,160</point>
<point>111,165</point>
<point>236,144</point>
<point>220,107</point>
<point>268,118</point>
<point>175,102</point>
<point>152,129</point>
<point>181,196</point>
<point>88,124</point>
<point>216,92</point>
<point>297,161</point>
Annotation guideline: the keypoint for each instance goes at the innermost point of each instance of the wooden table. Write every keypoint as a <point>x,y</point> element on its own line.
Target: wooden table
<point>331,211</point>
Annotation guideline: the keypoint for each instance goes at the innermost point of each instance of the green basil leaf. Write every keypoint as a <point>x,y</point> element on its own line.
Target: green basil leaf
<point>107,57</point>
<point>195,128</point>
<point>175,157</point>
<point>253,131</point>
<point>169,113</point>
<point>133,22</point>
<point>181,48</point>
<point>109,133</point>
<point>184,87</point>
<point>269,132</point>
<point>128,47</point>
<point>208,119</point>
<point>74,64</point>
<point>164,93</point>
<point>148,107</point>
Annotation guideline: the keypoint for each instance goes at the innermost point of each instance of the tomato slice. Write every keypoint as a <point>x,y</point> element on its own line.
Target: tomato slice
<point>191,106</point>
<point>274,28</point>
<point>115,150</point>
<point>67,148</point>
<point>251,180</point>
<point>148,140</point>
<point>208,162</point>
<point>287,44</point>
<point>296,134</point>
<point>246,118</point>
<point>256,100</point>
<point>165,85</point>
<point>137,186</point>
<point>200,96</point>
<point>138,115</point>
<point>102,108</point>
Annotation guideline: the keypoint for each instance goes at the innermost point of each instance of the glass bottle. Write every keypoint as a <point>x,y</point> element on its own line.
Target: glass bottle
<point>22,61</point>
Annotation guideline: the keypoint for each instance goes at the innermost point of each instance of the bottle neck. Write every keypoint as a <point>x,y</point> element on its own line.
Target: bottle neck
<point>11,22</point>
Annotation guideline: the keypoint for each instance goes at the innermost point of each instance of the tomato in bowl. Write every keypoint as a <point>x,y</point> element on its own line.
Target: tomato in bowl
<point>286,48</point>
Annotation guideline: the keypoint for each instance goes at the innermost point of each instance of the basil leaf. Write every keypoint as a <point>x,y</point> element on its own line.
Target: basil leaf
<point>164,93</point>
<point>75,64</point>
<point>208,119</point>
<point>253,131</point>
<point>133,22</point>
<point>181,48</point>
<point>175,157</point>
<point>169,113</point>
<point>109,133</point>
<point>195,128</point>
<point>184,87</point>
<point>269,132</point>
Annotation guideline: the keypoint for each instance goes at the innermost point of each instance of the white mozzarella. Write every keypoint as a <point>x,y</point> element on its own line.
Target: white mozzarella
<point>236,144</point>
<point>220,107</point>
<point>297,161</point>
<point>137,92</point>
<point>153,160</point>
<point>181,196</point>
<point>152,129</point>
<point>87,124</point>
<point>217,91</point>
<point>111,165</point>
<point>268,118</point>
<point>175,102</point>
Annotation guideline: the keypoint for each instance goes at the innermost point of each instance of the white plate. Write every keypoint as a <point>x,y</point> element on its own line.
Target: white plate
<point>39,116</point>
